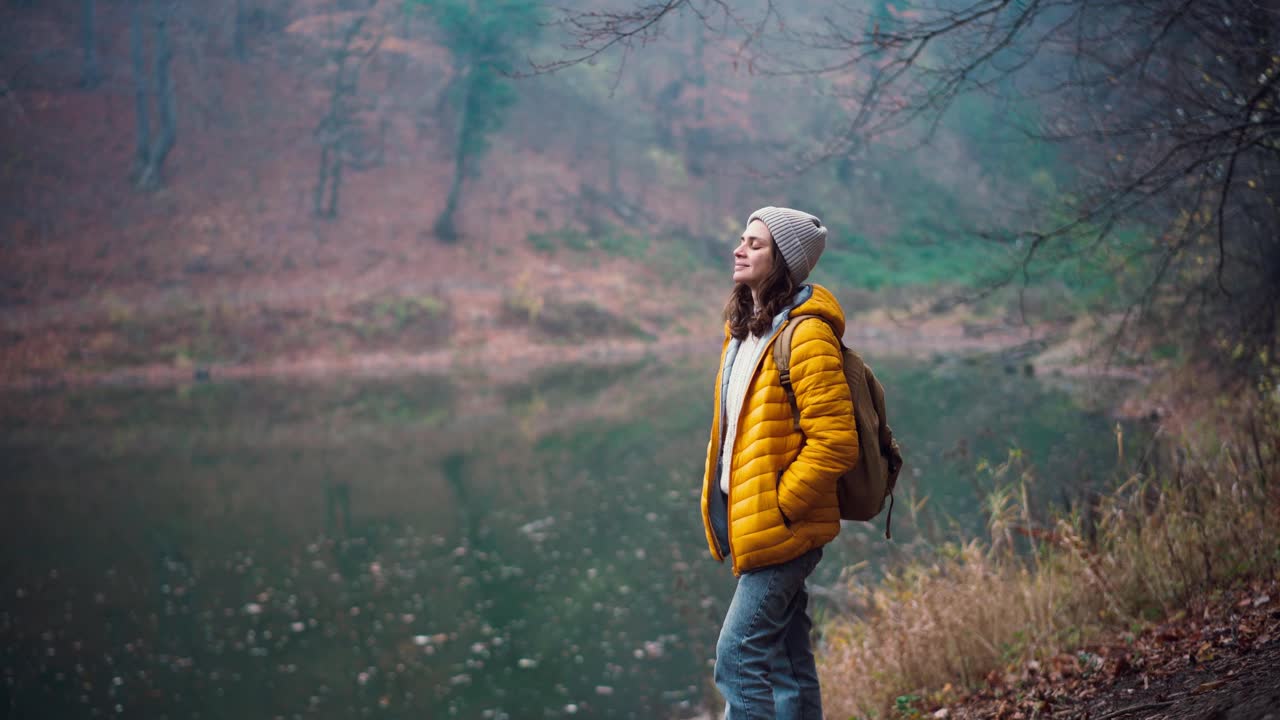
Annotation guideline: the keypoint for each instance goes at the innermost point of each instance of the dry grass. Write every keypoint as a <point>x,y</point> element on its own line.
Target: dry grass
<point>1208,513</point>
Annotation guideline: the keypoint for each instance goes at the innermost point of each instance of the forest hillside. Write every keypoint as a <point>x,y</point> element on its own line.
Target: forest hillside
<point>284,194</point>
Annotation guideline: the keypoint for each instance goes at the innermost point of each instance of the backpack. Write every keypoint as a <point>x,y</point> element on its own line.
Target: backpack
<point>863,489</point>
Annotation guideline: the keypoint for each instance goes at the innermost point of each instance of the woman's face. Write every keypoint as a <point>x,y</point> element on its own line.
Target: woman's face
<point>753,258</point>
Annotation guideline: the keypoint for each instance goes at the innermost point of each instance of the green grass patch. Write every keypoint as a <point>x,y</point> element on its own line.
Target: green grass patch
<point>851,259</point>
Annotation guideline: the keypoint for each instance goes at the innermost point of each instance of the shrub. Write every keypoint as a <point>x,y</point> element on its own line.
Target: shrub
<point>556,319</point>
<point>406,320</point>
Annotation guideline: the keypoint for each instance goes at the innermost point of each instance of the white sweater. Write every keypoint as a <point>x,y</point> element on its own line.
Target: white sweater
<point>735,396</point>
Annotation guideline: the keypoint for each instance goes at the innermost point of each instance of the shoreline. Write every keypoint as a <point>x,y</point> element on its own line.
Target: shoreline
<point>511,357</point>
<point>519,361</point>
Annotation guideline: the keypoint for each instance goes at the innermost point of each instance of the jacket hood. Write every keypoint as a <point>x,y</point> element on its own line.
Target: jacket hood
<point>823,304</point>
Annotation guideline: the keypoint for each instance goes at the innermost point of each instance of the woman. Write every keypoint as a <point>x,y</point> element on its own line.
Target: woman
<point>769,491</point>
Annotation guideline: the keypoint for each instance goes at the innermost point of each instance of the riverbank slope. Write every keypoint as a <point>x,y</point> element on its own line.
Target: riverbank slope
<point>1155,599</point>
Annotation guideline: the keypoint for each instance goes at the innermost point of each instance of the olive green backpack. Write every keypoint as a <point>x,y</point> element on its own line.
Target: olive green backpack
<point>862,490</point>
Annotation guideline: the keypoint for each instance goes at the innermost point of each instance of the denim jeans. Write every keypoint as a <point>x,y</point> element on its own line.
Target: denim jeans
<point>764,665</point>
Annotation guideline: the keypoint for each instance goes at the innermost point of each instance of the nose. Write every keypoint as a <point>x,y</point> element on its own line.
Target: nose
<point>740,251</point>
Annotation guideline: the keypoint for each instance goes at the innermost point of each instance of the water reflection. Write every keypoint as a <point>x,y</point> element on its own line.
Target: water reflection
<point>411,548</point>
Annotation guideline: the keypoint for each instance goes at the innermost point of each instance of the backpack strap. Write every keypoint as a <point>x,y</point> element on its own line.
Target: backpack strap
<point>782,358</point>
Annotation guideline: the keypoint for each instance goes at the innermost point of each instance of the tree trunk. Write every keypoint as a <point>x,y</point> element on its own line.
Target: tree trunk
<point>92,72</point>
<point>237,33</point>
<point>333,128</point>
<point>318,198</point>
<point>164,85</point>
<point>141,107</point>
<point>335,182</point>
<point>151,152</point>
<point>445,228</point>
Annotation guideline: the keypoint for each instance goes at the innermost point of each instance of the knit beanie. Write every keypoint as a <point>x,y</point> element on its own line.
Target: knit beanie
<point>800,238</point>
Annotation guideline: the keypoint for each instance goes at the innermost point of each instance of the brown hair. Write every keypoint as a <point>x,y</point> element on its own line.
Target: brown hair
<point>774,294</point>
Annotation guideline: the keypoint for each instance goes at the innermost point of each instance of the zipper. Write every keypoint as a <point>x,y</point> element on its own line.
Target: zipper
<point>728,516</point>
<point>728,510</point>
<point>715,473</point>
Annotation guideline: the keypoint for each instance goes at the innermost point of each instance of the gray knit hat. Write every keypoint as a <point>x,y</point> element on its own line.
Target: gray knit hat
<point>800,238</point>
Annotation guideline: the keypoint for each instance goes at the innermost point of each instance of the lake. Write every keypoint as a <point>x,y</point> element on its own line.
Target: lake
<point>420,547</point>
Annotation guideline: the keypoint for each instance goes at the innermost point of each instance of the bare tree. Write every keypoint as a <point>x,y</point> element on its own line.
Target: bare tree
<point>237,33</point>
<point>340,133</point>
<point>91,74</point>
<point>151,151</point>
<point>1168,112</point>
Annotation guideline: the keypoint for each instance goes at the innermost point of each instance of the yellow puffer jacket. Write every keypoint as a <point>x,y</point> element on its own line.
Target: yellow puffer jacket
<point>782,483</point>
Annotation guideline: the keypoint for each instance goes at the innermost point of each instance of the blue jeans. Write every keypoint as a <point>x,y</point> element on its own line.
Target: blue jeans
<point>764,665</point>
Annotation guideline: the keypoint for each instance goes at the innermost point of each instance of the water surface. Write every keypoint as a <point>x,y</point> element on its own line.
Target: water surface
<point>413,548</point>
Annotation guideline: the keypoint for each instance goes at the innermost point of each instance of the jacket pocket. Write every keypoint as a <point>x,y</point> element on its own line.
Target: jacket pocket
<point>777,495</point>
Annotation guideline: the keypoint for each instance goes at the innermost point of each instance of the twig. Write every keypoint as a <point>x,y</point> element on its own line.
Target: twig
<point>1136,708</point>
